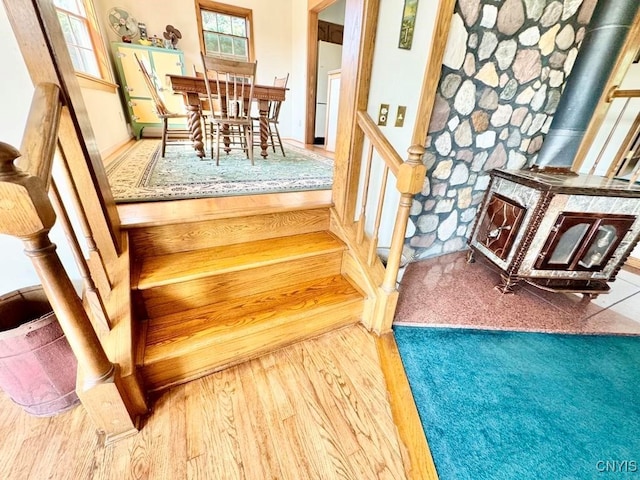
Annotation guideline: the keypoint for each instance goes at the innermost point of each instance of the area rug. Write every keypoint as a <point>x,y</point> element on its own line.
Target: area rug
<point>513,405</point>
<point>141,174</point>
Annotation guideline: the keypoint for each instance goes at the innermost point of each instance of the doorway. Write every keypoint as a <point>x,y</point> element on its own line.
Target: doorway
<point>325,39</point>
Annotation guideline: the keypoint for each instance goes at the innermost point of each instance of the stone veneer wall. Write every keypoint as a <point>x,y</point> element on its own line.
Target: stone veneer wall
<point>503,71</point>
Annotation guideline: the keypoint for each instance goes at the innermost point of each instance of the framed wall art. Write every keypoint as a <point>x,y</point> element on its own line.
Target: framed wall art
<point>408,24</point>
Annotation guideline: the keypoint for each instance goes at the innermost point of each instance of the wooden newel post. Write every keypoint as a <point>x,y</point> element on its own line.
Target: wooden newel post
<point>410,181</point>
<point>26,213</point>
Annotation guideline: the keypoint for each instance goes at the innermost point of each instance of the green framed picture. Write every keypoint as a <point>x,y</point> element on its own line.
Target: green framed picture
<point>408,24</point>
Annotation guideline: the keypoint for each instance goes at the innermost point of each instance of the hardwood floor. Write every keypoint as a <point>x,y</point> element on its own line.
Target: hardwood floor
<point>318,409</point>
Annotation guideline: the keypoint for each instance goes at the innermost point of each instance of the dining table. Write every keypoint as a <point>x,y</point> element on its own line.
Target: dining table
<point>192,88</point>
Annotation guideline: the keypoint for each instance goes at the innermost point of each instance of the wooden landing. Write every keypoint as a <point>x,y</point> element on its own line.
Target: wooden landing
<point>318,409</point>
<point>175,211</point>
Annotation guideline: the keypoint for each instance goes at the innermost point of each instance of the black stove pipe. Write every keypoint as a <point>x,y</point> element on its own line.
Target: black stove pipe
<point>603,41</point>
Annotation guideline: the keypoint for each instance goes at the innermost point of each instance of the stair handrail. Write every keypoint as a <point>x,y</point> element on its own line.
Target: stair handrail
<point>410,177</point>
<point>27,213</point>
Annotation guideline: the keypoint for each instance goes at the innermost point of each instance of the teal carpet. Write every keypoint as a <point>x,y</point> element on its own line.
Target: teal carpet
<point>507,405</point>
<point>141,174</point>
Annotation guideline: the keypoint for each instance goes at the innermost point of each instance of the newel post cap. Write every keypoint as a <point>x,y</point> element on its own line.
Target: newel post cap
<point>25,208</point>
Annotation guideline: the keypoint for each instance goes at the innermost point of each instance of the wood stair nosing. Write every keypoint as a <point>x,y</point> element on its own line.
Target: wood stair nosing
<point>184,266</point>
<point>197,363</point>
<point>177,334</point>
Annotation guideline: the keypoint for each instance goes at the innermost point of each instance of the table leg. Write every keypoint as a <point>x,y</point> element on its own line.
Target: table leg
<point>194,122</point>
<point>263,107</point>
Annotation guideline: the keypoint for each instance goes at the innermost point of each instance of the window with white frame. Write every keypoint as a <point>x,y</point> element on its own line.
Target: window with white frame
<point>82,36</point>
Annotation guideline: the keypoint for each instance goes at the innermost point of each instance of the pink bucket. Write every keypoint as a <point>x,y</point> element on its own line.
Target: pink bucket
<point>37,366</point>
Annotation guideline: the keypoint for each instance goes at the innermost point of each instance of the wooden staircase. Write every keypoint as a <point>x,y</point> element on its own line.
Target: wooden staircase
<point>212,293</point>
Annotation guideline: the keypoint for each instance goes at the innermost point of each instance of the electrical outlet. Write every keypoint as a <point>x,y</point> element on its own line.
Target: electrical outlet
<point>402,111</point>
<point>383,114</point>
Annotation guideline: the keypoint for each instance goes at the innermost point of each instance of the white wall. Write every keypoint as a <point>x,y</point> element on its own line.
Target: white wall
<point>107,119</point>
<point>334,13</point>
<point>272,30</point>
<point>631,81</point>
<point>16,91</point>
<point>396,80</point>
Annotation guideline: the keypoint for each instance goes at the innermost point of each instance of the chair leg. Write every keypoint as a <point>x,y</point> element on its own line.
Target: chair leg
<point>270,132</point>
<point>218,127</point>
<point>165,126</point>
<point>249,135</point>
<point>275,126</point>
<point>211,126</point>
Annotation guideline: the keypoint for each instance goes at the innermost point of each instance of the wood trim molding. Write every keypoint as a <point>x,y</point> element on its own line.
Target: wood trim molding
<point>419,464</point>
<point>433,71</point>
<point>625,59</point>
<point>361,21</point>
<point>230,10</point>
<point>312,75</point>
<point>93,83</point>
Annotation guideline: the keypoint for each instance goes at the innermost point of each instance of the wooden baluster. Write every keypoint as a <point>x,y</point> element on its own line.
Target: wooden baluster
<point>365,194</point>
<point>95,257</point>
<point>373,247</point>
<point>606,142</point>
<point>27,213</point>
<point>410,181</point>
<point>98,310</point>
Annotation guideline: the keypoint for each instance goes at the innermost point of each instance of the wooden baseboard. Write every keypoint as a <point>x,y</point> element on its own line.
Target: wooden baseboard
<point>115,151</point>
<point>419,464</point>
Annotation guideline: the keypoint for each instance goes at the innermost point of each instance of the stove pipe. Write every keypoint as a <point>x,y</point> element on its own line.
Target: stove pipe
<point>604,38</point>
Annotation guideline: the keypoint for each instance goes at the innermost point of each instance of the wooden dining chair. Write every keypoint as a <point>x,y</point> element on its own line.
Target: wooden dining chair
<point>273,115</point>
<point>170,134</point>
<point>234,81</point>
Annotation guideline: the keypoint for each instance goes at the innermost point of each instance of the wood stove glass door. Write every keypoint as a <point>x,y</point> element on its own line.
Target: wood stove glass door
<point>583,241</point>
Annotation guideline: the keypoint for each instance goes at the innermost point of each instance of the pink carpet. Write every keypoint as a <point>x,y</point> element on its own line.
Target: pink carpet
<point>447,291</point>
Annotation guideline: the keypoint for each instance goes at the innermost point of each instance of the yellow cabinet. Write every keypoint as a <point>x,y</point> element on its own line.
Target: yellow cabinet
<point>139,105</point>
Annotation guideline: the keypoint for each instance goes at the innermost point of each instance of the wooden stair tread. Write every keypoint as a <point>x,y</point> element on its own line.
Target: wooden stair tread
<point>183,266</point>
<point>185,332</point>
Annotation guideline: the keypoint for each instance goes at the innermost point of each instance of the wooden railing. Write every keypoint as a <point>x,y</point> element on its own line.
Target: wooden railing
<point>26,212</point>
<point>410,177</point>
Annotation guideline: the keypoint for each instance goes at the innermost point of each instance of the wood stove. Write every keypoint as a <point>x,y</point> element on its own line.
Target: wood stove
<point>549,226</point>
<point>555,231</point>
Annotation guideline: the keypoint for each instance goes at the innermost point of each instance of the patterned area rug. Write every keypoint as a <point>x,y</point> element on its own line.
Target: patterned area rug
<point>140,174</point>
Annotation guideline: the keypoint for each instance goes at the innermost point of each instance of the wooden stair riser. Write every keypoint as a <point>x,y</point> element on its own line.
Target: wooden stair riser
<point>180,237</point>
<point>168,299</point>
<point>233,349</point>
<point>172,335</point>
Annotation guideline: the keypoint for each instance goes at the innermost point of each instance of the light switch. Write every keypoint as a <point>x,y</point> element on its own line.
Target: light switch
<point>402,110</point>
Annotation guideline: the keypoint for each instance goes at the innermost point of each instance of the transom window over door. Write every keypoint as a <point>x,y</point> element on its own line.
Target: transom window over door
<point>225,30</point>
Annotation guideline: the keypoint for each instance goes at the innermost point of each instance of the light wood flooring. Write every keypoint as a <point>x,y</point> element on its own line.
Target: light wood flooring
<point>316,410</point>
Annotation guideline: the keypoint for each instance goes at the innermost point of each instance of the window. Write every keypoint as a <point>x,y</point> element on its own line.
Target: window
<point>81,33</point>
<point>225,30</point>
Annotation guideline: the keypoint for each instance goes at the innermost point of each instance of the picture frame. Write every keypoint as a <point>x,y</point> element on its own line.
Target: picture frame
<point>408,24</point>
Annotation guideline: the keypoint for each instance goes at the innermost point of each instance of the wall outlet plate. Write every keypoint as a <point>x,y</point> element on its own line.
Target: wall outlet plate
<point>383,114</point>
<point>402,111</point>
